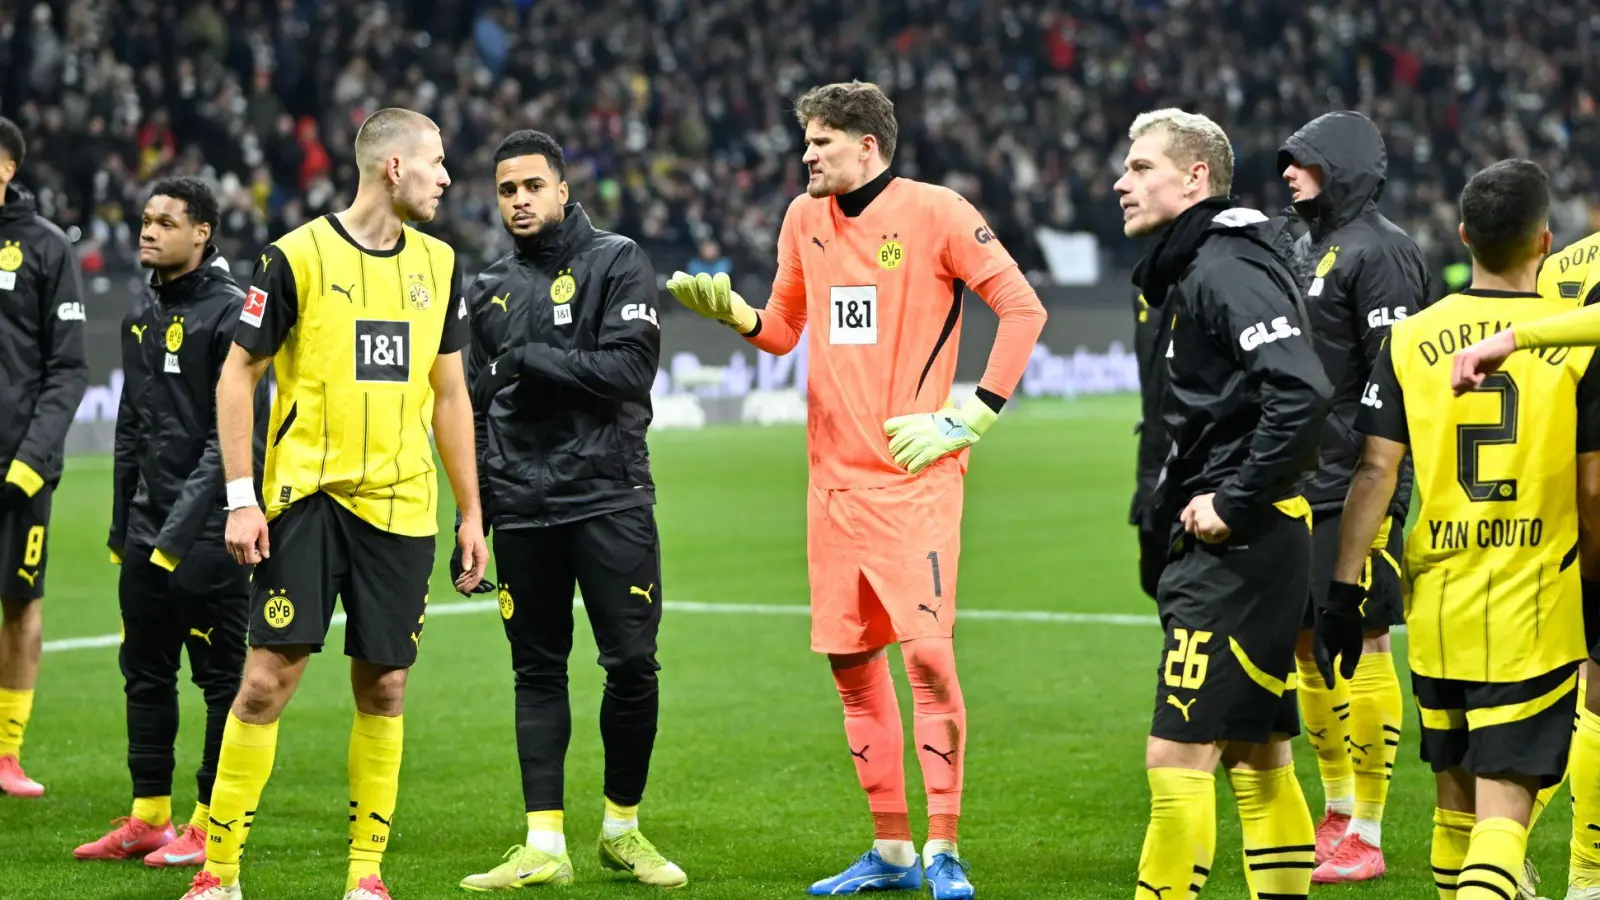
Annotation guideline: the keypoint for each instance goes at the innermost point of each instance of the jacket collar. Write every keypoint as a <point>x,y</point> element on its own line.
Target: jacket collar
<point>19,204</point>
<point>1164,264</point>
<point>185,288</point>
<point>855,202</point>
<point>553,246</point>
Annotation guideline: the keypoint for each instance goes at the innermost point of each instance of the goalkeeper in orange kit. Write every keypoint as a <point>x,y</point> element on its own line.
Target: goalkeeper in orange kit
<point>877,265</point>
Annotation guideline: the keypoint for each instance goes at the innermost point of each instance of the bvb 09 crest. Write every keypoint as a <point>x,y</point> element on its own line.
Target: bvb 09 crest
<point>10,257</point>
<point>175,335</point>
<point>419,296</point>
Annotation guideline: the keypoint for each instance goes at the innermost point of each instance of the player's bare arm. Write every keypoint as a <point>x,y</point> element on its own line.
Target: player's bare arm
<point>1366,504</point>
<point>236,386</point>
<point>454,434</point>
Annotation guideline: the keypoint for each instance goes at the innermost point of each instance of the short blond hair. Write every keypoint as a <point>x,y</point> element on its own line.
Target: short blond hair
<point>386,133</point>
<point>1191,138</point>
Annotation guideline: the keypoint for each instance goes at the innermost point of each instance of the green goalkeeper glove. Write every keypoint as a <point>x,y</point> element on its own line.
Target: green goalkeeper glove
<point>713,298</point>
<point>917,440</point>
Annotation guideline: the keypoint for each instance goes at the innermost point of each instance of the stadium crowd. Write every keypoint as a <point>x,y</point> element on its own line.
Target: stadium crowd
<point>678,126</point>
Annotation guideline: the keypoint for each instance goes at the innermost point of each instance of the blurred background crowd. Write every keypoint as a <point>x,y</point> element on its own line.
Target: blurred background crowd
<point>676,114</point>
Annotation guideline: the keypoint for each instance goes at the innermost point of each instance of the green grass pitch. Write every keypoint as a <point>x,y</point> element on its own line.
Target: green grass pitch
<point>751,789</point>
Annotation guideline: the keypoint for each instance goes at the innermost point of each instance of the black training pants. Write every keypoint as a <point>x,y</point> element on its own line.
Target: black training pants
<point>615,559</point>
<point>202,606</point>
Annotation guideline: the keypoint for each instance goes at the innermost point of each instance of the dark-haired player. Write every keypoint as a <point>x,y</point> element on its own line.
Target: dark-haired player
<point>1505,472</point>
<point>44,371</point>
<point>565,344</point>
<point>179,589</point>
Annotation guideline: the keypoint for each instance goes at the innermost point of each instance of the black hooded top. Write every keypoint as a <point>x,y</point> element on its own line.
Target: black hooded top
<point>1359,274</point>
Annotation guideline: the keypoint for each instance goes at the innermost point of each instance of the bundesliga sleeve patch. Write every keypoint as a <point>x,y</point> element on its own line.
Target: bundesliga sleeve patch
<point>255,305</point>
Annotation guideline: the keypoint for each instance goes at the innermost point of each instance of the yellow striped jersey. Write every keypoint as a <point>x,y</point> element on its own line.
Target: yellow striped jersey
<point>353,334</point>
<point>1491,563</point>
<point>1572,274</point>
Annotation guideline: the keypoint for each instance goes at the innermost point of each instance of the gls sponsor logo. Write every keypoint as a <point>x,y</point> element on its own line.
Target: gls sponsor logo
<point>1258,334</point>
<point>1382,318</point>
<point>640,311</point>
<point>70,312</point>
<point>1369,397</point>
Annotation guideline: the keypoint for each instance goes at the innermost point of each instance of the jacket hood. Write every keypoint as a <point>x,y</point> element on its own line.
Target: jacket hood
<point>1354,162</point>
<point>556,244</point>
<point>19,204</point>
<point>213,268</point>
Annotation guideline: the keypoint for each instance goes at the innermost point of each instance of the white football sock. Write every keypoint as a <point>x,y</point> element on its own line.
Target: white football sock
<point>896,853</point>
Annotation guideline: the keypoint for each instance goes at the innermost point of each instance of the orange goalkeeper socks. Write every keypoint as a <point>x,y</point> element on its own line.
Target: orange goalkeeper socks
<point>872,727</point>
<point>940,726</point>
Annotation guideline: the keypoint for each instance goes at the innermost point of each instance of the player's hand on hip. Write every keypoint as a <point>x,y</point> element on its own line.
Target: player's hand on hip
<point>1339,631</point>
<point>1478,361</point>
<point>246,535</point>
<point>1201,520</point>
<point>474,552</point>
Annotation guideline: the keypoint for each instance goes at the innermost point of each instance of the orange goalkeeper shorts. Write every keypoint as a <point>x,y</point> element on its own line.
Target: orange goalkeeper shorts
<point>882,563</point>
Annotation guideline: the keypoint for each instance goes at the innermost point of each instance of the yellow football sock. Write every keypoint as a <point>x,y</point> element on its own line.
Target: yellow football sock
<point>1327,721</point>
<point>1279,840</point>
<point>375,745</point>
<point>1494,860</point>
<point>1452,832</point>
<point>201,813</point>
<point>1583,765</point>
<point>1182,837</point>
<point>15,707</point>
<point>243,768</point>
<point>153,810</point>
<point>1375,710</point>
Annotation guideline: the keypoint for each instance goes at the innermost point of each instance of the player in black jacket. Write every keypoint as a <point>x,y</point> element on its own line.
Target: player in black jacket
<point>178,588</point>
<point>43,374</point>
<point>565,346</point>
<point>1244,396</point>
<point>1359,274</point>
<point>1153,444</point>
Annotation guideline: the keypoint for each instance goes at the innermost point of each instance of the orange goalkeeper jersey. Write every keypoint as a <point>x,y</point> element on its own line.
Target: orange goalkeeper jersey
<point>881,287</point>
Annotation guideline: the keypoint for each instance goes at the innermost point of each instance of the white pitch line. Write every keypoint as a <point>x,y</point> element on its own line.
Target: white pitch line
<point>465,607</point>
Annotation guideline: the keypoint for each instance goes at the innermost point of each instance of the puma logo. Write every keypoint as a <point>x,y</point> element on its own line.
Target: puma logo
<point>225,826</point>
<point>415,641</point>
<point>203,635</point>
<point>1364,749</point>
<point>1182,707</point>
<point>379,819</point>
<point>138,332</point>
<point>862,755</point>
<point>344,291</point>
<point>949,758</point>
<point>27,576</point>
<point>642,592</point>
<point>923,607</point>
<point>814,240</point>
<point>500,302</point>
<point>1155,890</point>
<point>265,261</point>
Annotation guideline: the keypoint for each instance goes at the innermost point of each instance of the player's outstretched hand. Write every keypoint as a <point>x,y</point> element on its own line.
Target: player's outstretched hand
<point>1475,363</point>
<point>1339,630</point>
<point>1200,519</point>
<point>712,297</point>
<point>471,558</point>
<point>246,535</point>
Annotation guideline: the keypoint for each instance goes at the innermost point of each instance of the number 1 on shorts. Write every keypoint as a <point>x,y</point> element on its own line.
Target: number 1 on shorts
<point>933,559</point>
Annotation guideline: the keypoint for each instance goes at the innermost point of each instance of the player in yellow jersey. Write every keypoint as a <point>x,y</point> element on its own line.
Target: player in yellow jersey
<point>363,320</point>
<point>1495,611</point>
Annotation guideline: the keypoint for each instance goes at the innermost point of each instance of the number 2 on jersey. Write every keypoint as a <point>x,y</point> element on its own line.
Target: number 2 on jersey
<point>1471,437</point>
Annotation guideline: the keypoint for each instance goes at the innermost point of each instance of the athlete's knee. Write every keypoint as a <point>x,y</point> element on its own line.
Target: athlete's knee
<point>379,690</point>
<point>1274,753</point>
<point>842,661</point>
<point>21,617</point>
<point>270,678</point>
<point>1375,640</point>
<point>931,670</point>
<point>630,670</point>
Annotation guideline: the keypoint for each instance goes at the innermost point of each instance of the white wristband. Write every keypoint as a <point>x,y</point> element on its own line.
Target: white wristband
<point>241,493</point>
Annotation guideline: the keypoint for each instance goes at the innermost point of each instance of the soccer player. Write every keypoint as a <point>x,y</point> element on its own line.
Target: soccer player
<point>1153,444</point>
<point>1243,407</point>
<point>178,588</point>
<point>565,345</point>
<point>877,265</point>
<point>42,362</point>
<point>1505,473</point>
<point>362,318</point>
<point>1359,274</point>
